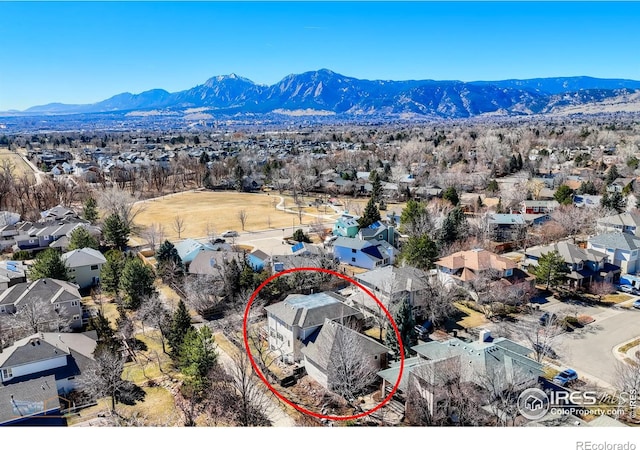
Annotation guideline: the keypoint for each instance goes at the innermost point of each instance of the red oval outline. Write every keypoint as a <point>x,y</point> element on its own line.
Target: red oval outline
<point>386,400</point>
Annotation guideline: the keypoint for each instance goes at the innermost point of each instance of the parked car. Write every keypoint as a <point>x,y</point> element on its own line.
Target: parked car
<point>329,240</point>
<point>565,377</point>
<point>229,233</point>
<point>628,289</point>
<point>423,330</point>
<point>547,318</point>
<point>636,304</point>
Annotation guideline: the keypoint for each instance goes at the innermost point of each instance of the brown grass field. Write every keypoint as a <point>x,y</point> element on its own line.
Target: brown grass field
<point>15,159</point>
<point>220,210</point>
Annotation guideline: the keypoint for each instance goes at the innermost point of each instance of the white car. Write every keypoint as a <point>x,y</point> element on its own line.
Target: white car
<point>229,233</point>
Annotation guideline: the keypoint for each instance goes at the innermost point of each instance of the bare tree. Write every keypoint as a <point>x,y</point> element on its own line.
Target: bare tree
<point>627,380</point>
<point>104,377</point>
<point>39,315</point>
<point>153,235</point>
<point>351,370</point>
<point>153,312</point>
<point>601,288</point>
<point>203,294</point>
<point>178,225</point>
<point>242,217</point>
<point>543,336</point>
<point>115,200</point>
<point>210,229</point>
<point>253,404</point>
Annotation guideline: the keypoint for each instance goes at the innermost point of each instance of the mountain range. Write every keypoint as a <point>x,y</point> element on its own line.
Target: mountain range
<point>327,92</point>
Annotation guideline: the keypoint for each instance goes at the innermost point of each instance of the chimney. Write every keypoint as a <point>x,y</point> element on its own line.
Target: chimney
<point>485,336</point>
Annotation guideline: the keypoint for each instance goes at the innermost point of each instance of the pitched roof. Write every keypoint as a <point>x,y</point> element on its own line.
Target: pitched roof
<point>47,289</point>
<point>622,241</point>
<point>476,260</point>
<point>410,279</point>
<point>311,310</point>
<point>42,346</point>
<point>83,257</point>
<point>506,219</point>
<point>352,243</point>
<point>624,219</point>
<point>571,253</point>
<point>208,262</point>
<point>29,398</point>
<point>329,340</point>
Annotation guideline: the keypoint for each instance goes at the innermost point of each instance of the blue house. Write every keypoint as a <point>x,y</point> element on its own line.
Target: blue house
<point>346,225</point>
<point>364,254</point>
<point>189,249</point>
<point>257,260</point>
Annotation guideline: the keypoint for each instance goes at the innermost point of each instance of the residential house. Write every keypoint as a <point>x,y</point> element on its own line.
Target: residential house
<point>211,262</point>
<point>620,248</point>
<point>32,403</point>
<point>378,231</point>
<point>7,235</point>
<point>62,296</point>
<point>587,201</point>
<point>619,185</point>
<point>364,254</point>
<point>257,259</point>
<point>57,213</point>
<point>65,356</point>
<point>539,206</point>
<point>626,222</point>
<point>488,364</point>
<point>294,322</point>
<point>11,273</point>
<point>465,267</point>
<point>286,262</point>
<point>84,266</point>
<point>335,343</point>
<point>346,226</point>
<point>506,227</point>
<point>41,235</point>
<point>390,285</point>
<point>188,249</point>
<point>583,265</point>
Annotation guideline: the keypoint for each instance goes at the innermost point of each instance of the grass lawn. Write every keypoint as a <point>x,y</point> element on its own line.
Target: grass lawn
<point>20,167</point>
<point>108,307</point>
<point>628,345</point>
<point>374,332</point>
<point>148,363</point>
<point>549,372</point>
<point>158,408</point>
<point>470,318</point>
<point>616,298</point>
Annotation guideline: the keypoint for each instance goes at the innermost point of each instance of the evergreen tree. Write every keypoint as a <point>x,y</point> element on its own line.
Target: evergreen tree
<point>513,164</point>
<point>493,187</point>
<point>112,272</point>
<point>451,194</point>
<point>80,238</point>
<point>453,227</point>
<point>376,186</point>
<point>106,334</point>
<point>564,195</point>
<point>520,162</point>
<point>136,282</point>
<point>371,214</point>
<point>551,269</point>
<point>612,175</point>
<point>197,357</point>
<point>587,187</point>
<point>49,264</point>
<point>180,326</point>
<point>419,251</point>
<point>615,200</point>
<point>116,232</point>
<point>405,321</point>
<point>90,210</point>
<point>299,236</point>
<point>169,263</point>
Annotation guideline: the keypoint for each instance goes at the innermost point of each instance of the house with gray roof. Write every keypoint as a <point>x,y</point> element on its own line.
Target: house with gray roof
<point>583,265</point>
<point>33,402</point>
<point>85,265</point>
<point>296,321</point>
<point>212,262</point>
<point>506,227</point>
<point>334,344</point>
<point>65,356</point>
<point>41,235</point>
<point>188,249</point>
<point>626,222</point>
<point>500,362</point>
<point>621,249</point>
<point>58,302</point>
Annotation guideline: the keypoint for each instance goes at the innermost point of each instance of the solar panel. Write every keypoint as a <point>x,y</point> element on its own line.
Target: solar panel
<point>375,225</point>
<point>297,247</point>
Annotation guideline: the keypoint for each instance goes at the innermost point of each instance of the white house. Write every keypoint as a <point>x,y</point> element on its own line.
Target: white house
<point>84,266</point>
<point>63,355</point>
<point>621,248</point>
<point>295,321</point>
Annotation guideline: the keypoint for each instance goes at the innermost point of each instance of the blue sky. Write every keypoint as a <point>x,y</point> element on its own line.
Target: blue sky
<point>84,52</point>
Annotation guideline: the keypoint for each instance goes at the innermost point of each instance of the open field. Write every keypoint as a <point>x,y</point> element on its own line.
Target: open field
<point>15,159</point>
<point>220,210</point>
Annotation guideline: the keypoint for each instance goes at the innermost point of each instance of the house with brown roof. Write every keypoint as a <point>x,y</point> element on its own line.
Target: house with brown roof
<point>466,266</point>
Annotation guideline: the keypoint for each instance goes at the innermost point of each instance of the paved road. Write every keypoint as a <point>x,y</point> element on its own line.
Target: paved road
<point>590,350</point>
